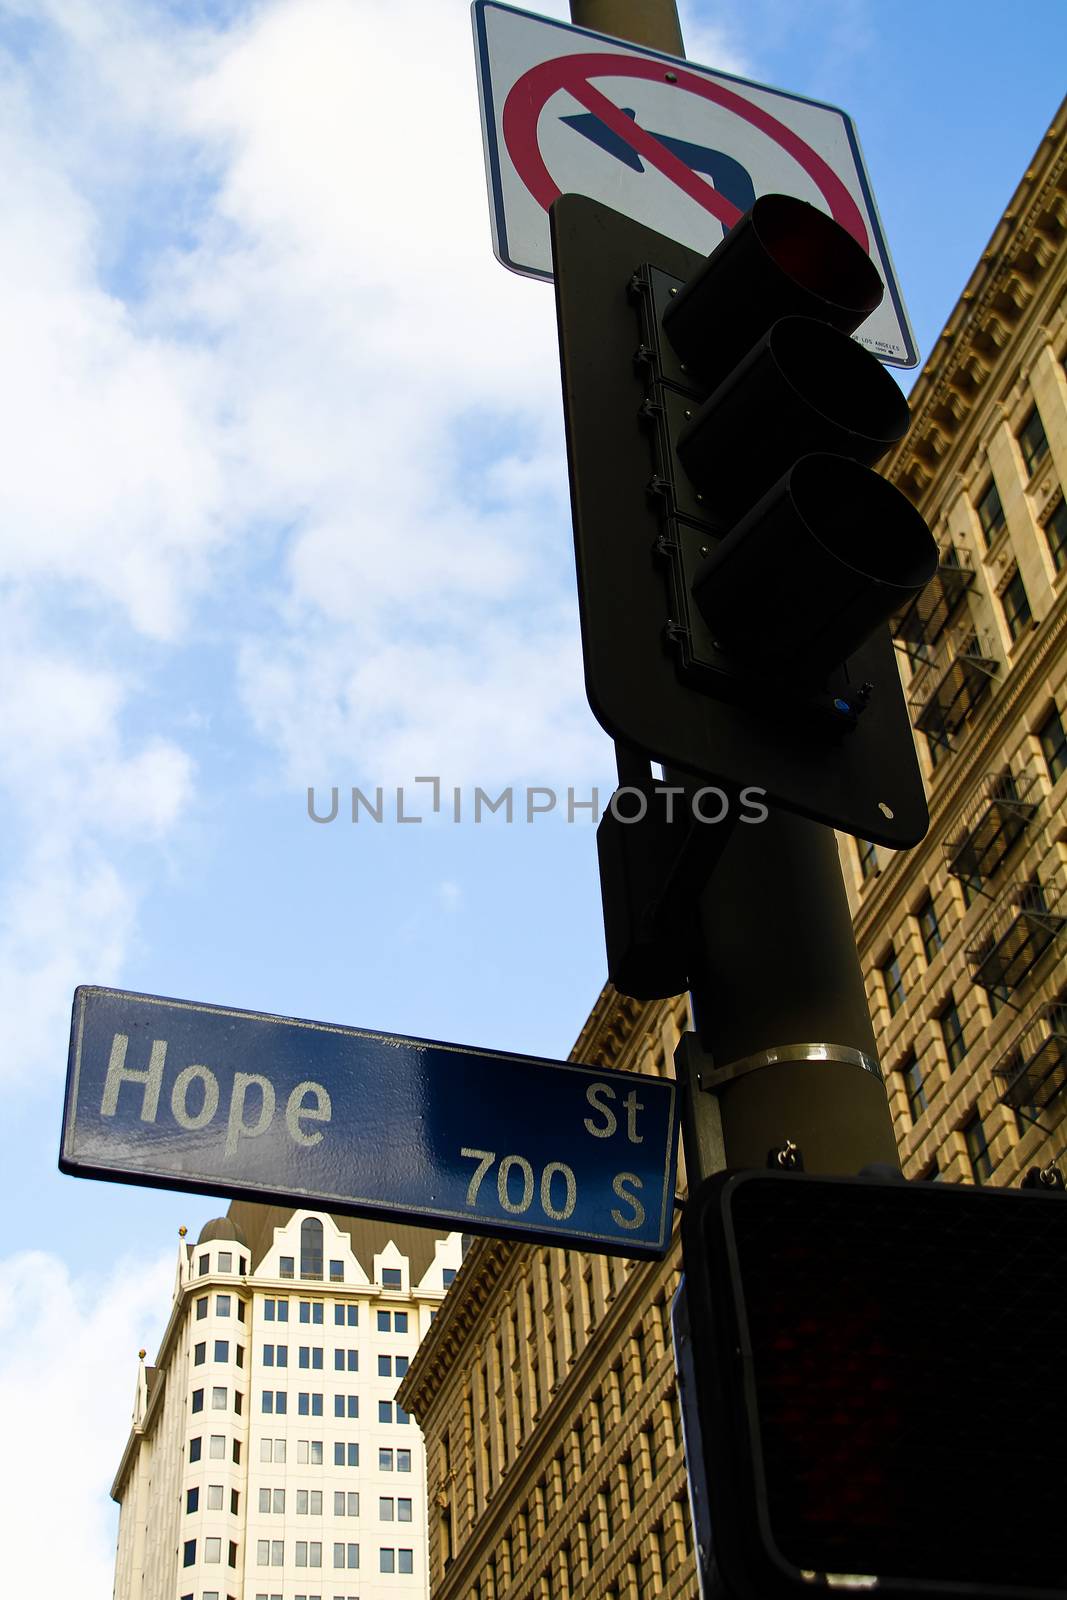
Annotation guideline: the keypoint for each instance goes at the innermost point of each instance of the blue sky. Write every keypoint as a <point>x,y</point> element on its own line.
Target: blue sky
<point>284,503</point>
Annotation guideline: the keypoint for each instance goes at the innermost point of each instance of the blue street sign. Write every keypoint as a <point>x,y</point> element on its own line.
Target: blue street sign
<point>219,1101</point>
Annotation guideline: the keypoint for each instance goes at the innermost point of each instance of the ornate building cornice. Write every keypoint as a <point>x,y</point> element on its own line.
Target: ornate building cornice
<point>970,349</point>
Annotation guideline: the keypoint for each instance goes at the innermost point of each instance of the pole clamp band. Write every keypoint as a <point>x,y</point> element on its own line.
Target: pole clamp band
<point>711,1077</point>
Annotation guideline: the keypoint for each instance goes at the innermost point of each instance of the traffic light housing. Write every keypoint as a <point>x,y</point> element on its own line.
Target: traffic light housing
<point>872,1377</point>
<point>737,558</point>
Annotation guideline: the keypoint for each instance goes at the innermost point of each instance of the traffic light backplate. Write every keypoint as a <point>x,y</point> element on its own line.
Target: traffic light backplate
<point>655,676</point>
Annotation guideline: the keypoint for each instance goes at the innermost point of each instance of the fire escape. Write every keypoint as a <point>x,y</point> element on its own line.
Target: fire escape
<point>952,666</point>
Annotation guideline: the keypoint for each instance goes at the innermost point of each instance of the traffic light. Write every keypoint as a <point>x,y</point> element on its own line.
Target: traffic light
<point>737,557</point>
<point>873,1388</point>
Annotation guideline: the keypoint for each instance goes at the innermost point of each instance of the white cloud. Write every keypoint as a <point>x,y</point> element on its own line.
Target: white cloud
<point>68,1364</point>
<point>80,796</point>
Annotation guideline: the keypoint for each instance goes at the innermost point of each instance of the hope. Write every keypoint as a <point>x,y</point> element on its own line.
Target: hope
<point>308,1102</point>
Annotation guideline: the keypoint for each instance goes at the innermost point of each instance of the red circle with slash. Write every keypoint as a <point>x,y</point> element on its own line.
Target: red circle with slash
<point>530,93</point>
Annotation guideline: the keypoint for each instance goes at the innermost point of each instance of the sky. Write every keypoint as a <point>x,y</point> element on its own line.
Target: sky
<point>283,504</point>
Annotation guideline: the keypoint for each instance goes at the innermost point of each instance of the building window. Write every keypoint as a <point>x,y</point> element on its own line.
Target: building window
<point>403,1461</point>
<point>952,1035</point>
<point>914,1088</point>
<point>386,1559</point>
<point>346,1504</point>
<point>929,930</point>
<point>222,1349</point>
<point>346,1405</point>
<point>346,1555</point>
<point>222,1305</point>
<point>276,1310</point>
<point>198,1400</point>
<point>225,1260</point>
<point>201,1308</point>
<point>403,1510</point>
<point>218,1399</point>
<point>308,1553</point>
<point>385,1461</point>
<point>311,1311</point>
<point>404,1561</point>
<point>448,1276</point>
<point>310,1356</point>
<point>391,1278</point>
<point>346,1360</point>
<point>337,1272</point>
<point>194,1449</point>
<point>1056,535</point>
<point>400,1366</point>
<point>214,1496</point>
<point>936,747</point>
<point>402,1416</point>
<point>309,1452</point>
<point>189,1553</point>
<point>213,1551</point>
<point>400,1322</point>
<point>192,1500</point>
<point>287,1266</point>
<point>1053,743</point>
<point>894,984</point>
<point>385,1411</point>
<point>346,1455</point>
<point>311,1248</point>
<point>385,1366</point>
<point>970,887</point>
<point>231,1555</point>
<point>1033,442</point>
<point>1017,613</point>
<point>274,1403</point>
<point>199,1354</point>
<point>978,1149</point>
<point>346,1316</point>
<point>309,1502</point>
<point>216,1447</point>
<point>990,513</point>
<point>275,1355</point>
<point>868,858</point>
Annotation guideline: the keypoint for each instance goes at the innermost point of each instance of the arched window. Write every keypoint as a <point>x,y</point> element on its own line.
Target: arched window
<point>311,1248</point>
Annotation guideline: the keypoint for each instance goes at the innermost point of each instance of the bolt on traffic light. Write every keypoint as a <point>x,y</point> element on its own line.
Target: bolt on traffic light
<point>872,1385</point>
<point>737,557</point>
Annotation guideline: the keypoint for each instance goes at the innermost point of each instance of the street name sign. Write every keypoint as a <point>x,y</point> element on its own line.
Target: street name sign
<point>681,148</point>
<point>181,1095</point>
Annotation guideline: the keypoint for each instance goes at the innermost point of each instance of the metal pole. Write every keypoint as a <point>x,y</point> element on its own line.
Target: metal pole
<point>784,1052</point>
<point>649,22</point>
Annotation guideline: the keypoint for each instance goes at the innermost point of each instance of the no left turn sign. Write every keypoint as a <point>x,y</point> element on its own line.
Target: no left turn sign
<point>679,147</point>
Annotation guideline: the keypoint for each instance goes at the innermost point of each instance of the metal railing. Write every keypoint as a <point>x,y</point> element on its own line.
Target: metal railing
<point>1024,922</point>
<point>998,814</point>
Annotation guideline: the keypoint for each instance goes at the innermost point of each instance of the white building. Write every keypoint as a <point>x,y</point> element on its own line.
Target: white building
<point>268,1459</point>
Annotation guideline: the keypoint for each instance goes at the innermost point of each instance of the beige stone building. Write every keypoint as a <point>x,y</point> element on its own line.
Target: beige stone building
<point>268,1458</point>
<point>545,1387</point>
<point>963,939</point>
<point>546,1392</point>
